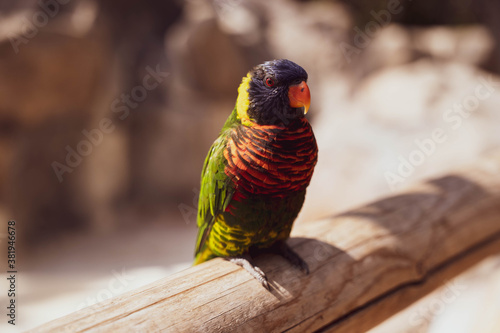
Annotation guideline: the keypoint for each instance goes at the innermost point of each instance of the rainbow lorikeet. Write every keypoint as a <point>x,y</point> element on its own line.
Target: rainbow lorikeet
<point>255,176</point>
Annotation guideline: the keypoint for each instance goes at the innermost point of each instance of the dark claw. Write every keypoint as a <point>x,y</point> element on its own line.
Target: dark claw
<point>255,271</point>
<point>293,258</point>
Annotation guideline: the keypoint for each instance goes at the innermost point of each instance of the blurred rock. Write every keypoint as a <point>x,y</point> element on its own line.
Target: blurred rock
<point>54,72</point>
<point>396,45</point>
<point>392,46</point>
<point>242,20</point>
<point>57,79</point>
<point>208,56</point>
<point>207,53</point>
<point>64,80</point>
<point>308,33</point>
<point>469,44</point>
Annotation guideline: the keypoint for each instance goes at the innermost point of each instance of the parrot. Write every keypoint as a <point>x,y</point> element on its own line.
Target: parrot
<point>254,178</point>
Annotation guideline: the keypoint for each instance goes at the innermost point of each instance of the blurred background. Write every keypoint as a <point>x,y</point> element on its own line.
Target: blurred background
<point>108,108</point>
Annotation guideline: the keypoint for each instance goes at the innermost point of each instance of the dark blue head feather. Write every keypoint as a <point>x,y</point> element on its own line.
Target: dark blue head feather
<point>270,105</point>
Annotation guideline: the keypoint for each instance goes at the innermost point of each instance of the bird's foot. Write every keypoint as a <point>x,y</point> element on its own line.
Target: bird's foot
<point>284,250</point>
<point>255,271</point>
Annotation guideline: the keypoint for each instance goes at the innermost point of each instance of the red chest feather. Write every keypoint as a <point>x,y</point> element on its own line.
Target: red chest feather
<point>271,160</point>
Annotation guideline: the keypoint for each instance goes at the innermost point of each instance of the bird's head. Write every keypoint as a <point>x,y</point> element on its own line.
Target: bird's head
<point>273,93</point>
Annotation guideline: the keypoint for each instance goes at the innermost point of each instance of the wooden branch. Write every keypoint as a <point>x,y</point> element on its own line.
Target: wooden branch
<point>356,260</point>
<point>406,295</point>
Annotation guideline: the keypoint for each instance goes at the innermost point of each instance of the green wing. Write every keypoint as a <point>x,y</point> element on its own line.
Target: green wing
<point>216,187</point>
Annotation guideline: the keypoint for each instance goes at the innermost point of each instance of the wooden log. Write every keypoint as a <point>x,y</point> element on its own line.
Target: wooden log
<point>356,259</point>
<point>417,315</point>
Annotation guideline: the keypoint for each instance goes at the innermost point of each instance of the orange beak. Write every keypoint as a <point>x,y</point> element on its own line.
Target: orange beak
<point>300,96</point>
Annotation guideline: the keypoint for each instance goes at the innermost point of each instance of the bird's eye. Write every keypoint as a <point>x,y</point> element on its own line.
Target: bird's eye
<point>269,82</point>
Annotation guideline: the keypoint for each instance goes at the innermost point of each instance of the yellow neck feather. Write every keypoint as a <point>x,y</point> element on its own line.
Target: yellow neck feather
<point>242,102</point>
